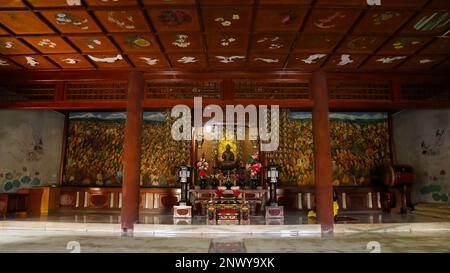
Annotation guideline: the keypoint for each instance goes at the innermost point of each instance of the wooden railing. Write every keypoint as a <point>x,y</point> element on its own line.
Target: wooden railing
<point>65,91</point>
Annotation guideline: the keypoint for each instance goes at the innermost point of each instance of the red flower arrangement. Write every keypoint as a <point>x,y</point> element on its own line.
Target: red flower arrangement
<point>219,193</point>
<point>236,193</point>
<point>253,166</point>
<point>202,167</point>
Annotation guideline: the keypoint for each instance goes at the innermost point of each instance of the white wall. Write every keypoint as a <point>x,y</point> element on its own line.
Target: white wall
<point>422,140</point>
<point>30,148</point>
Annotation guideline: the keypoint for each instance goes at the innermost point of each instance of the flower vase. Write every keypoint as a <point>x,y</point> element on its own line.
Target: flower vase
<point>254,182</point>
<point>242,183</point>
<point>214,183</point>
<point>203,183</point>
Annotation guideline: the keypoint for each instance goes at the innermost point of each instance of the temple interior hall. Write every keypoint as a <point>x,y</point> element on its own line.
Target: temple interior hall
<point>327,122</point>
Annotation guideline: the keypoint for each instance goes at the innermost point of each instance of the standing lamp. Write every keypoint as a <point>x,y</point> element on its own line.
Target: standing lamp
<point>272,174</point>
<point>184,208</point>
<point>185,173</point>
<point>273,210</point>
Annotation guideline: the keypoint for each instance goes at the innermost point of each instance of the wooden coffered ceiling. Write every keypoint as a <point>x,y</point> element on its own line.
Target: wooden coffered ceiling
<point>205,35</point>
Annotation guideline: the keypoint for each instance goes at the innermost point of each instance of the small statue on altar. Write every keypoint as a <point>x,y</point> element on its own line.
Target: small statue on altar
<point>227,155</point>
<point>229,160</point>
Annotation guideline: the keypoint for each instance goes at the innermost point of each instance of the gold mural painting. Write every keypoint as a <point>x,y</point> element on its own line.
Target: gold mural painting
<point>359,143</point>
<point>95,149</point>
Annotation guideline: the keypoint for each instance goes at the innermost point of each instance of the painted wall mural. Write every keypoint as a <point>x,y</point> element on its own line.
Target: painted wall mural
<point>94,150</point>
<point>31,154</point>
<point>161,155</point>
<point>422,140</point>
<point>360,142</point>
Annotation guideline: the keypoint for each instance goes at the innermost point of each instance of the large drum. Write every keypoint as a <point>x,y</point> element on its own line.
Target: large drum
<point>396,175</point>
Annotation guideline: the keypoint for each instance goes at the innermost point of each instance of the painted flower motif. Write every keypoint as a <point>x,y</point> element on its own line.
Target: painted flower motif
<point>121,19</point>
<point>137,42</point>
<point>181,40</point>
<point>174,17</point>
<point>68,18</point>
<point>288,16</point>
<point>47,42</point>
<point>142,42</point>
<point>382,17</point>
<point>402,42</point>
<point>227,41</point>
<point>7,44</point>
<point>226,23</point>
<point>432,21</point>
<point>92,43</point>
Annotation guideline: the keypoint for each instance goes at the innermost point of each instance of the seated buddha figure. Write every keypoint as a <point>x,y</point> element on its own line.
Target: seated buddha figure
<point>229,160</point>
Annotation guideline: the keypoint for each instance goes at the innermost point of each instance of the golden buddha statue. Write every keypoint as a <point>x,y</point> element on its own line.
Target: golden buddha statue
<point>228,159</point>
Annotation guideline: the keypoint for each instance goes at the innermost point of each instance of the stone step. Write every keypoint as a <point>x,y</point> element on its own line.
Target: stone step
<point>433,205</point>
<point>444,211</point>
<point>432,214</point>
<point>434,208</point>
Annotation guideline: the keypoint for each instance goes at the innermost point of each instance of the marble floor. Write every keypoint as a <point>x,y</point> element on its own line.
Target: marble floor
<point>291,218</point>
<point>100,232</point>
<point>65,242</point>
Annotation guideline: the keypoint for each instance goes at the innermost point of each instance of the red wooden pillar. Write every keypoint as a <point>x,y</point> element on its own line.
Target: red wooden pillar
<point>322,153</point>
<point>132,151</point>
